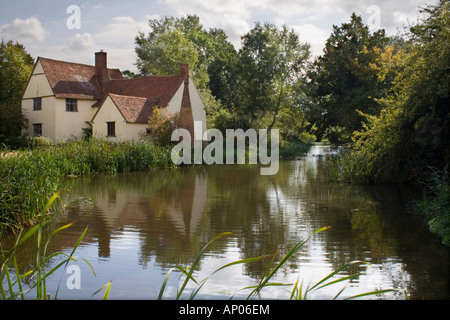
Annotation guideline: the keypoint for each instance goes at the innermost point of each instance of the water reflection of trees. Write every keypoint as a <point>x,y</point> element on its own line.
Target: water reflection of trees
<point>175,212</point>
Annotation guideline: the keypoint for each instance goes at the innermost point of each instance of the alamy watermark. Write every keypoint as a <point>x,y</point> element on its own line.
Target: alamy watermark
<point>236,148</point>
<point>74,280</point>
<point>74,20</point>
<point>374,18</point>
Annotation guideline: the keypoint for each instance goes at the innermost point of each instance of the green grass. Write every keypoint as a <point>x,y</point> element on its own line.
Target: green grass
<point>29,178</point>
<point>351,167</point>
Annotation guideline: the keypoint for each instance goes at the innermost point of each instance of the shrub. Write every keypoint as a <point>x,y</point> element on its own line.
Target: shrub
<point>435,204</point>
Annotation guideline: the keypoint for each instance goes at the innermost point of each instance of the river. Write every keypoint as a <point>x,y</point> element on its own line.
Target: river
<point>141,224</point>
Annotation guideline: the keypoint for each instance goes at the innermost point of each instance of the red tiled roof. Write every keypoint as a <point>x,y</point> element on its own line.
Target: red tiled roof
<point>74,80</point>
<point>135,98</point>
<point>157,90</point>
<point>133,109</point>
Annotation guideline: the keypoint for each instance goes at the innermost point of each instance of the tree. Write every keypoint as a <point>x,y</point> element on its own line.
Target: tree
<point>270,64</point>
<point>162,53</point>
<point>412,133</point>
<point>346,75</point>
<point>184,40</point>
<point>221,68</point>
<point>15,69</point>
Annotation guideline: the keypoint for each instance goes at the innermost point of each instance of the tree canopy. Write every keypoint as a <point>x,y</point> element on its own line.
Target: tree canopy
<point>15,68</point>
<point>347,75</point>
<point>412,132</point>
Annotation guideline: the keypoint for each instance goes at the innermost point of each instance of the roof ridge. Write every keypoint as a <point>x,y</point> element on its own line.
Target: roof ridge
<point>70,62</point>
<point>125,95</point>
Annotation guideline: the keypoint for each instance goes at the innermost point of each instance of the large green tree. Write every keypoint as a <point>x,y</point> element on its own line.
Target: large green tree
<point>347,75</point>
<point>412,133</point>
<point>269,67</point>
<point>15,68</point>
<point>173,41</point>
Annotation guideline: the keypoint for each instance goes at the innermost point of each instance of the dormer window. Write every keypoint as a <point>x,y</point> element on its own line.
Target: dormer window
<point>71,105</point>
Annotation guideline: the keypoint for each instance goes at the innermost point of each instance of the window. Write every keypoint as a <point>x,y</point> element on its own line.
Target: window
<point>111,129</point>
<point>37,129</point>
<point>37,104</point>
<point>71,105</point>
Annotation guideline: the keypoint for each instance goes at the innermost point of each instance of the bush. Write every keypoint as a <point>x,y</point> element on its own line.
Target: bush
<point>223,120</point>
<point>161,126</point>
<point>14,142</point>
<point>292,149</point>
<point>435,204</point>
<point>336,135</point>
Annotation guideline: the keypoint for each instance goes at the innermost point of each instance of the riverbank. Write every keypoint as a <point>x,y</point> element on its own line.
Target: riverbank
<point>434,206</point>
<point>29,177</point>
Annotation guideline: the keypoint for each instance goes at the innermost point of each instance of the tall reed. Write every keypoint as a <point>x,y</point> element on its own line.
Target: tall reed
<point>296,293</point>
<point>28,178</point>
<point>12,289</point>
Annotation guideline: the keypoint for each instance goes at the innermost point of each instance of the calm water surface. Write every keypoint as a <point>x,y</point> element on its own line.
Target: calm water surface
<point>142,224</point>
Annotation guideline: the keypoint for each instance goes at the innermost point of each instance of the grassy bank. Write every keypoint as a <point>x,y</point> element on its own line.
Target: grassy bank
<point>28,178</point>
<point>434,206</point>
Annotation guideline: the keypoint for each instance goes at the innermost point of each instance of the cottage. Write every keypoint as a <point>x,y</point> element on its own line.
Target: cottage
<point>61,97</point>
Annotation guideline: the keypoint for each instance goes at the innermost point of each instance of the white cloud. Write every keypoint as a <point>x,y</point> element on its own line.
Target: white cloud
<point>99,6</point>
<point>28,30</point>
<point>235,26</point>
<point>80,43</point>
<point>313,35</point>
<point>117,38</point>
<point>121,31</point>
<point>113,25</point>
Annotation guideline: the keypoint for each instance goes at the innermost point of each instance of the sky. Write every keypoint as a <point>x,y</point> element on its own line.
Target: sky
<point>73,31</point>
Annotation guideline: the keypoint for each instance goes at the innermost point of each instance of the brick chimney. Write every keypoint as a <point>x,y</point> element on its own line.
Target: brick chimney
<point>184,71</point>
<point>101,69</point>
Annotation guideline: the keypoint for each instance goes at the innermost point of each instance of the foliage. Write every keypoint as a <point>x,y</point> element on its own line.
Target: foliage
<point>15,68</point>
<point>294,148</point>
<point>161,53</point>
<point>161,126</point>
<point>28,178</point>
<point>257,87</point>
<point>348,76</point>
<point>224,119</point>
<point>174,41</point>
<point>15,289</point>
<point>408,141</point>
<point>435,204</point>
<point>269,68</point>
<point>411,133</point>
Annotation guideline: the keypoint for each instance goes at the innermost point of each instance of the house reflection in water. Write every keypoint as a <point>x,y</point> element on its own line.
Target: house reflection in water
<point>163,210</point>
